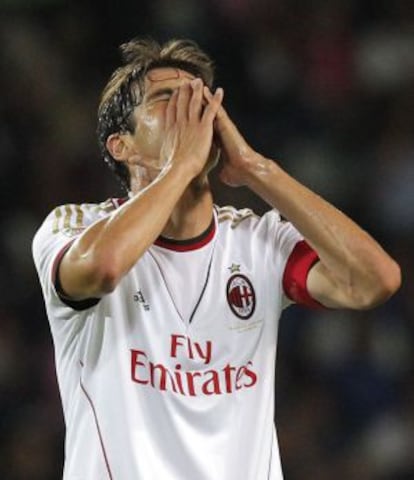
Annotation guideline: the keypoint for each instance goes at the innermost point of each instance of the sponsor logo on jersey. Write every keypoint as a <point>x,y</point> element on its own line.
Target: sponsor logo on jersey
<point>192,372</point>
<point>241,296</point>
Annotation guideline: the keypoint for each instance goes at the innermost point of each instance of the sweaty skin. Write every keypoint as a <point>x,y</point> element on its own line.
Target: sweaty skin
<point>354,271</point>
<point>166,155</point>
<point>169,148</point>
<point>147,163</point>
<point>160,74</point>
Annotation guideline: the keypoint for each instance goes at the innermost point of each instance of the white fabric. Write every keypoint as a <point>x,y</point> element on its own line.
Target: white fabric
<point>185,275</point>
<point>147,395</point>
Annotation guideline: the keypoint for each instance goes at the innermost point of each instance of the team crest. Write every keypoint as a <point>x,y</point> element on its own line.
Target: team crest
<point>241,296</point>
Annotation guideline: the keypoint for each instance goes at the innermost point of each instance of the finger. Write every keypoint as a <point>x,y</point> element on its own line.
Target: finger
<point>224,124</point>
<point>213,106</point>
<point>196,101</point>
<point>208,96</point>
<point>183,100</point>
<point>170,114</point>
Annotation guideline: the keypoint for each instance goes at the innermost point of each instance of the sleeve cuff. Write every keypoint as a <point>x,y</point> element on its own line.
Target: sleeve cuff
<point>74,304</point>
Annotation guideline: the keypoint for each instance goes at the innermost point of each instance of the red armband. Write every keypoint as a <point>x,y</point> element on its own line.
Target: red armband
<point>298,265</point>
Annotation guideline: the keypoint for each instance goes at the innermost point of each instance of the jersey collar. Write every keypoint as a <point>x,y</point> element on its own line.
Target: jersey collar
<point>190,243</point>
<point>186,245</point>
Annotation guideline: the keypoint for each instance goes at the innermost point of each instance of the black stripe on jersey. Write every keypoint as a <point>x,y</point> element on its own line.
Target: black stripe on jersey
<point>190,243</point>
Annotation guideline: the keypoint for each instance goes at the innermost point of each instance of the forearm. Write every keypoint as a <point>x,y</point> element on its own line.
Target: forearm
<point>355,262</point>
<point>354,271</point>
<point>105,252</point>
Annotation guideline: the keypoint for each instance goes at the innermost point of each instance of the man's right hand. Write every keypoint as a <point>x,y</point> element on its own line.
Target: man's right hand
<point>189,127</point>
<point>188,135</point>
<point>108,249</point>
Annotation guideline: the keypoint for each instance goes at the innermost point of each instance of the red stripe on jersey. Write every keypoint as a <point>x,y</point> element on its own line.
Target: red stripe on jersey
<point>58,259</point>
<point>95,416</point>
<point>118,202</point>
<point>298,265</point>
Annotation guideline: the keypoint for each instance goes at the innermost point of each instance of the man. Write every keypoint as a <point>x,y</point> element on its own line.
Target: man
<point>164,308</point>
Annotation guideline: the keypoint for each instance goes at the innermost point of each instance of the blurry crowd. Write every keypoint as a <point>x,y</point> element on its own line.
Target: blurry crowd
<point>326,87</point>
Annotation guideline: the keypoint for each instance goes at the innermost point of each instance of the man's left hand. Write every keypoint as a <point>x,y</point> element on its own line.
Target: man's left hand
<point>239,159</point>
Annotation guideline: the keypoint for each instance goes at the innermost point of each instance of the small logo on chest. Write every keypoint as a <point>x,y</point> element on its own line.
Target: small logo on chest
<point>140,299</point>
<point>241,296</point>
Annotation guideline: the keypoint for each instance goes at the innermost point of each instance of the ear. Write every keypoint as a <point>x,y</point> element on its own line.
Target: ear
<point>118,146</point>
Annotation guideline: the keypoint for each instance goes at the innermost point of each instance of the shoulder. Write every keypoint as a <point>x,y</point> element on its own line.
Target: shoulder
<point>269,230</point>
<point>65,222</point>
<point>233,217</point>
<point>71,219</point>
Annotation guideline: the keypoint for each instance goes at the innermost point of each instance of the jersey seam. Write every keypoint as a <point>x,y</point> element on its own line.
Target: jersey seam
<point>95,416</point>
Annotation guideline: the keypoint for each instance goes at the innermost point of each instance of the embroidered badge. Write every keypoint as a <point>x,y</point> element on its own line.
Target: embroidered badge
<point>235,267</point>
<point>241,296</point>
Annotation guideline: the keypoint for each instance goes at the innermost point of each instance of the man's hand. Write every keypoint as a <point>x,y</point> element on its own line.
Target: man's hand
<point>96,262</point>
<point>189,127</point>
<point>239,159</point>
<point>188,134</point>
<point>353,271</point>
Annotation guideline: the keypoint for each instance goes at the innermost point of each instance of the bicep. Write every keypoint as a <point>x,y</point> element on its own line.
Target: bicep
<point>80,272</point>
<point>73,279</point>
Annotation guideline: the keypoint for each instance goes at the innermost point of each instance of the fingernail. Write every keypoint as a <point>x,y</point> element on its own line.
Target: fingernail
<point>196,82</point>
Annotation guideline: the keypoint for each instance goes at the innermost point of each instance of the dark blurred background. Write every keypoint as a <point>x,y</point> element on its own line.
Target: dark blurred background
<point>325,87</point>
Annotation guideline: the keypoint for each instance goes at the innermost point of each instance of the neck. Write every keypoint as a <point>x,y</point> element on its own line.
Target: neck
<point>191,215</point>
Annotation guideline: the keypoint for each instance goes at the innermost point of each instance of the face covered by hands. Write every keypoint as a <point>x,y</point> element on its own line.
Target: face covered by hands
<point>239,159</point>
<point>174,127</point>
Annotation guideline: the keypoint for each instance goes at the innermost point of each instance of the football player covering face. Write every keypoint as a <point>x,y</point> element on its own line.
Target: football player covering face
<point>317,257</point>
<point>148,148</point>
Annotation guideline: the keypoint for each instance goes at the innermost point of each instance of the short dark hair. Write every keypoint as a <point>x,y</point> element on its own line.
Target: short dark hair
<point>124,89</point>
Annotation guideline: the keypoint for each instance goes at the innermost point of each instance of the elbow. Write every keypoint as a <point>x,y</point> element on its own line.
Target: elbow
<point>390,281</point>
<point>382,287</point>
<point>107,282</point>
<point>106,275</point>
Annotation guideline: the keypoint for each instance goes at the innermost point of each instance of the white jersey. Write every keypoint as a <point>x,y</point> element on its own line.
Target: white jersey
<point>171,376</point>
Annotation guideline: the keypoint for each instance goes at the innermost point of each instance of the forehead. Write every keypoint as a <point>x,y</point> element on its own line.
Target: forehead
<point>165,76</point>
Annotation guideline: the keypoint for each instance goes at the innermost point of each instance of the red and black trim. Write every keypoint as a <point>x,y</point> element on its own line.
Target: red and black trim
<point>75,304</point>
<point>299,263</point>
<point>188,244</point>
<point>118,202</point>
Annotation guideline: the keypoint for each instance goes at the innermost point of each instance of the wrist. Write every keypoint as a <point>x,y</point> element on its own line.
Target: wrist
<point>183,171</point>
<point>259,169</point>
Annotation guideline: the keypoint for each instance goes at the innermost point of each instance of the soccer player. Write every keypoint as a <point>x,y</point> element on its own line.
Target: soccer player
<point>164,307</point>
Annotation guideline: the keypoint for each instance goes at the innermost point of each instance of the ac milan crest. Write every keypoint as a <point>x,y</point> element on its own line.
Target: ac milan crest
<point>241,296</point>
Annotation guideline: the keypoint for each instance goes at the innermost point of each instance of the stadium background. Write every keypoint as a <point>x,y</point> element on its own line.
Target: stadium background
<point>327,87</point>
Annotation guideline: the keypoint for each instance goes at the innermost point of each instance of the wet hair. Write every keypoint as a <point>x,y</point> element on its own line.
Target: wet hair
<point>125,88</point>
